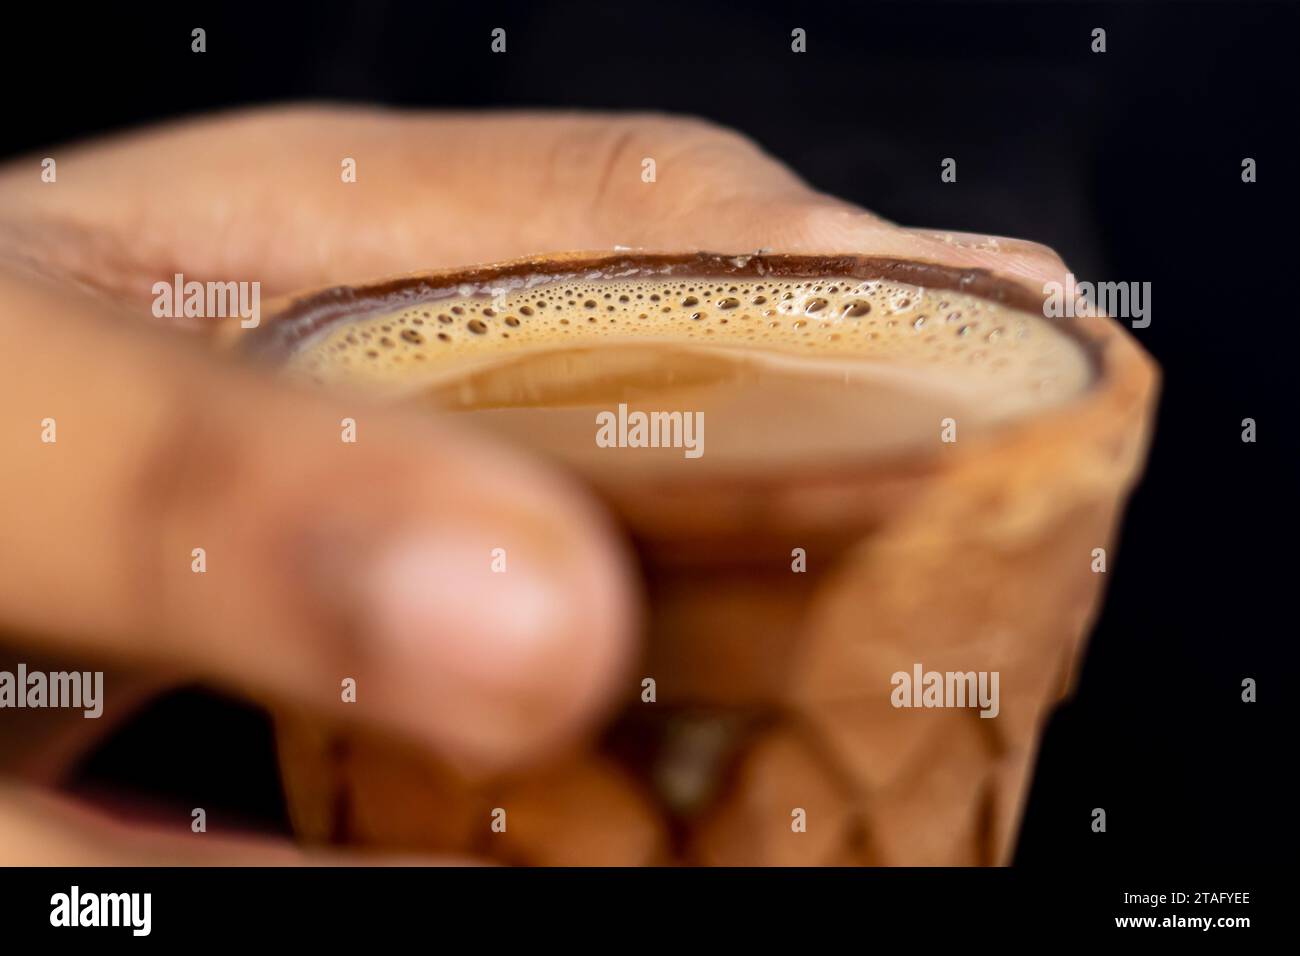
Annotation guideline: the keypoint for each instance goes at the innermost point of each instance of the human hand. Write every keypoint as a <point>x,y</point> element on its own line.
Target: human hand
<point>330,560</point>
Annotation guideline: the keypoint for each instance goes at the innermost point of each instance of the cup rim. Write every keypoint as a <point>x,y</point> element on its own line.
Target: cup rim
<point>1123,387</point>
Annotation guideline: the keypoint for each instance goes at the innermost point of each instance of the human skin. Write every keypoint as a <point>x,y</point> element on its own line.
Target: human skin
<point>326,559</point>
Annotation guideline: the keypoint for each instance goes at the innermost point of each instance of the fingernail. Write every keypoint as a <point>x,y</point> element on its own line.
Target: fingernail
<point>472,649</point>
<point>440,597</point>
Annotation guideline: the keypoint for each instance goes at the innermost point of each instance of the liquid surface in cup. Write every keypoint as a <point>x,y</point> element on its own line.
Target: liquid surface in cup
<point>715,372</point>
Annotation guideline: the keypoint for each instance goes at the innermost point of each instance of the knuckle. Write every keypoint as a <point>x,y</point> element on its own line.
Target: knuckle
<point>688,132</point>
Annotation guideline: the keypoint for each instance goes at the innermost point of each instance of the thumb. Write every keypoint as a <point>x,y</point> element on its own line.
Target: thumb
<point>206,518</point>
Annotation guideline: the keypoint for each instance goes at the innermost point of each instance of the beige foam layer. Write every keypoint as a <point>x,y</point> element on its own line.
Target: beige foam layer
<point>1010,361</point>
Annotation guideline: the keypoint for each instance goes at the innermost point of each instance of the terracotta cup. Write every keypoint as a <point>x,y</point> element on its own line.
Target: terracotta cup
<point>772,738</point>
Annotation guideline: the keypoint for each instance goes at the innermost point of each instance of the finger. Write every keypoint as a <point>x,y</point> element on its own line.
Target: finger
<point>720,192</point>
<point>1031,261</point>
<point>41,829</point>
<point>821,228</point>
<point>262,196</point>
<point>322,561</point>
<point>818,225</point>
<point>431,190</point>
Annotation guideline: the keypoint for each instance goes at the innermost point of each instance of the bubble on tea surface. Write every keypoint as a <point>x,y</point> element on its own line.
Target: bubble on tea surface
<point>838,327</point>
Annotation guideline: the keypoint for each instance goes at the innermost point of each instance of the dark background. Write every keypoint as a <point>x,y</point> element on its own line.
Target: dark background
<point>1128,163</point>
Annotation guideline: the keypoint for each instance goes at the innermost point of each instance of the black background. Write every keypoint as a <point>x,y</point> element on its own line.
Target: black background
<point>1128,163</point>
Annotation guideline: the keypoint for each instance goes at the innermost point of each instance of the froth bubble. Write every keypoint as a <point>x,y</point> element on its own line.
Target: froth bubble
<point>389,348</point>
